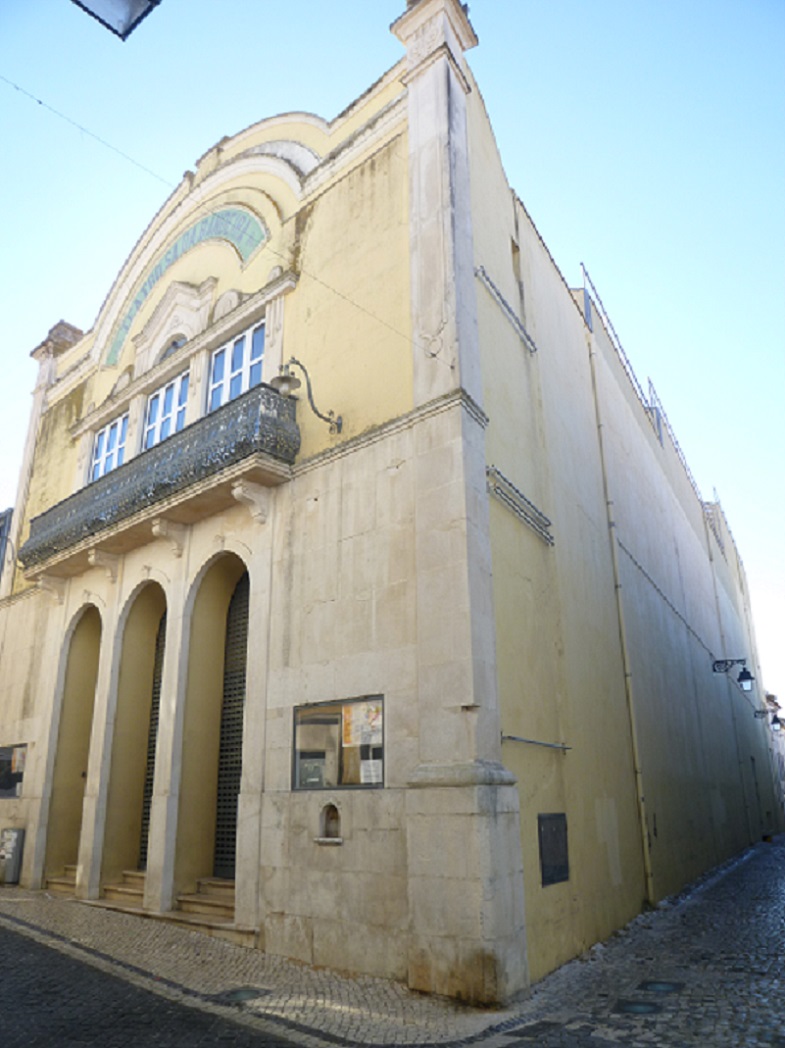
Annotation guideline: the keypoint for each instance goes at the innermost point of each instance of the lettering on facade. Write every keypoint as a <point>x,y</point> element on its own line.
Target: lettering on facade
<point>240,228</point>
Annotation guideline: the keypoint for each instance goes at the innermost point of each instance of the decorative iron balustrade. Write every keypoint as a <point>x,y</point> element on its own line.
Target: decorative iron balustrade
<point>259,421</point>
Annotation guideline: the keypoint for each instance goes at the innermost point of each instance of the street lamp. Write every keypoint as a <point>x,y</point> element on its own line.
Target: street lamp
<point>120,16</point>
<point>745,678</point>
<point>286,383</point>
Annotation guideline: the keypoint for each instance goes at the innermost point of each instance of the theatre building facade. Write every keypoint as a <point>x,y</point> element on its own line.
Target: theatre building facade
<point>358,604</point>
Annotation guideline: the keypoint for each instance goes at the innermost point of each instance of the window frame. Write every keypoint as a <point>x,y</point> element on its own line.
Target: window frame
<point>102,452</point>
<point>179,385</point>
<point>239,371</point>
<point>12,769</point>
<point>368,764</point>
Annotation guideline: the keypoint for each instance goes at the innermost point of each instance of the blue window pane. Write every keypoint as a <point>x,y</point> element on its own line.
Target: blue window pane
<point>180,420</point>
<point>215,398</point>
<point>165,426</point>
<point>236,386</point>
<point>152,410</point>
<point>257,345</point>
<point>168,398</point>
<point>218,367</point>
<point>183,391</point>
<point>237,354</point>
<point>255,376</point>
<point>99,447</point>
<point>111,439</point>
<point>123,429</point>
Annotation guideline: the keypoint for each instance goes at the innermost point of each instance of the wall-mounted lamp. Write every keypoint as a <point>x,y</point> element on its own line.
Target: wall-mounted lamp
<point>745,678</point>
<point>776,723</point>
<point>121,16</point>
<point>286,383</point>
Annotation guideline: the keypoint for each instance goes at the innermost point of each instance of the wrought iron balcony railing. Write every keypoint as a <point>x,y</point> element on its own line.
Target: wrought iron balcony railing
<point>260,422</point>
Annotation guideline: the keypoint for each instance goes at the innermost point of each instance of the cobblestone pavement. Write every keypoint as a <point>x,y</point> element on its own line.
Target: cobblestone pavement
<point>704,970</point>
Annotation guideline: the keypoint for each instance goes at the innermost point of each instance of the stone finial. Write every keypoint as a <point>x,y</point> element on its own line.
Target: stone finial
<point>428,26</point>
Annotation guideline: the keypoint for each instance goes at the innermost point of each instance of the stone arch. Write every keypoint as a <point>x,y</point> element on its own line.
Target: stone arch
<point>141,636</point>
<point>81,651</point>
<point>210,663</point>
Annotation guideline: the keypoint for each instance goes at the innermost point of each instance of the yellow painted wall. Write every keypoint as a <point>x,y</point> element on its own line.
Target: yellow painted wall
<point>348,321</point>
<point>202,723</point>
<point>559,660</point>
<point>131,728</point>
<point>73,742</point>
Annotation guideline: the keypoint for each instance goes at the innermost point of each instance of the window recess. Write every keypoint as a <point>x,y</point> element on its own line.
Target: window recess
<point>236,367</point>
<point>109,447</point>
<point>339,744</point>
<point>12,767</point>
<point>165,411</point>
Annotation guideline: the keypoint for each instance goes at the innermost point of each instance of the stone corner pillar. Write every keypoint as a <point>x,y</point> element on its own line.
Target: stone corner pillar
<point>467,929</point>
<point>436,33</point>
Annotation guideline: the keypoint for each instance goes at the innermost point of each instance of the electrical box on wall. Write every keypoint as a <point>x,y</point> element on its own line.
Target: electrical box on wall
<point>11,845</point>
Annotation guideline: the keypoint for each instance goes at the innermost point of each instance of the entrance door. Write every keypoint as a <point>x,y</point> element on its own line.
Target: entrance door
<point>152,736</point>
<point>231,739</point>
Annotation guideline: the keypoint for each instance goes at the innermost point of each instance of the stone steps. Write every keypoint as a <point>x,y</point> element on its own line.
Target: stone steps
<point>129,891</point>
<point>213,899</point>
<point>63,883</point>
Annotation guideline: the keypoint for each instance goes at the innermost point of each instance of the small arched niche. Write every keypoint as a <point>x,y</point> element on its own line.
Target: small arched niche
<point>330,825</point>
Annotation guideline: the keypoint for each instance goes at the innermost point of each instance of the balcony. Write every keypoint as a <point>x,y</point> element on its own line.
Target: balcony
<point>193,474</point>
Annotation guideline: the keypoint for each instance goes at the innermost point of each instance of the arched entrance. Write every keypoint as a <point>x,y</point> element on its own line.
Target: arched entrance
<point>73,746</point>
<point>213,726</point>
<point>230,753</point>
<point>134,736</point>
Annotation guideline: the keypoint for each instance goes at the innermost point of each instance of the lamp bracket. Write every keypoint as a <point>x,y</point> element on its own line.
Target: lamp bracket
<point>334,422</point>
<point>725,665</point>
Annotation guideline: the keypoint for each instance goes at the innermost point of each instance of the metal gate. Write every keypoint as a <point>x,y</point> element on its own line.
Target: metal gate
<point>152,735</point>
<point>230,756</point>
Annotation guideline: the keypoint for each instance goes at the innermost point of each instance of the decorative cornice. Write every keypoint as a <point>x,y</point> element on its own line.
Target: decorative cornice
<point>476,773</point>
<point>457,398</point>
<point>375,132</point>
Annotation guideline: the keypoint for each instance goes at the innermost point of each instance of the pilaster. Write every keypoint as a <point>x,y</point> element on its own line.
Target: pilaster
<point>436,33</point>
<point>467,935</point>
<point>159,894</point>
<point>91,841</point>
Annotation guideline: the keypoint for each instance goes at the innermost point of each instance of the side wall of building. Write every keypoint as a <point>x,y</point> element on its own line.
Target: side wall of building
<point>606,638</point>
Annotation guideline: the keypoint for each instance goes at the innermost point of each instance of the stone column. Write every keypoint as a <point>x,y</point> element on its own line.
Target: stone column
<point>91,842</point>
<point>159,891</point>
<point>467,934</point>
<point>250,800</point>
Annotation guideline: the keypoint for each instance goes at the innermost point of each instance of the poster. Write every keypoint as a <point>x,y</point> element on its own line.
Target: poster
<point>362,724</point>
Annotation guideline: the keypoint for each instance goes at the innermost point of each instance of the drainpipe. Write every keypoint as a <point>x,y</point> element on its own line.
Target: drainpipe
<point>645,846</point>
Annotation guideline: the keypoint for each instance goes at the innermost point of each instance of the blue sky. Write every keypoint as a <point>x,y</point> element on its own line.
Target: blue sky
<point>645,137</point>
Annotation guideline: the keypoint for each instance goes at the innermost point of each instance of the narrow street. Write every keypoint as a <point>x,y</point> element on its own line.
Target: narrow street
<point>705,970</point>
